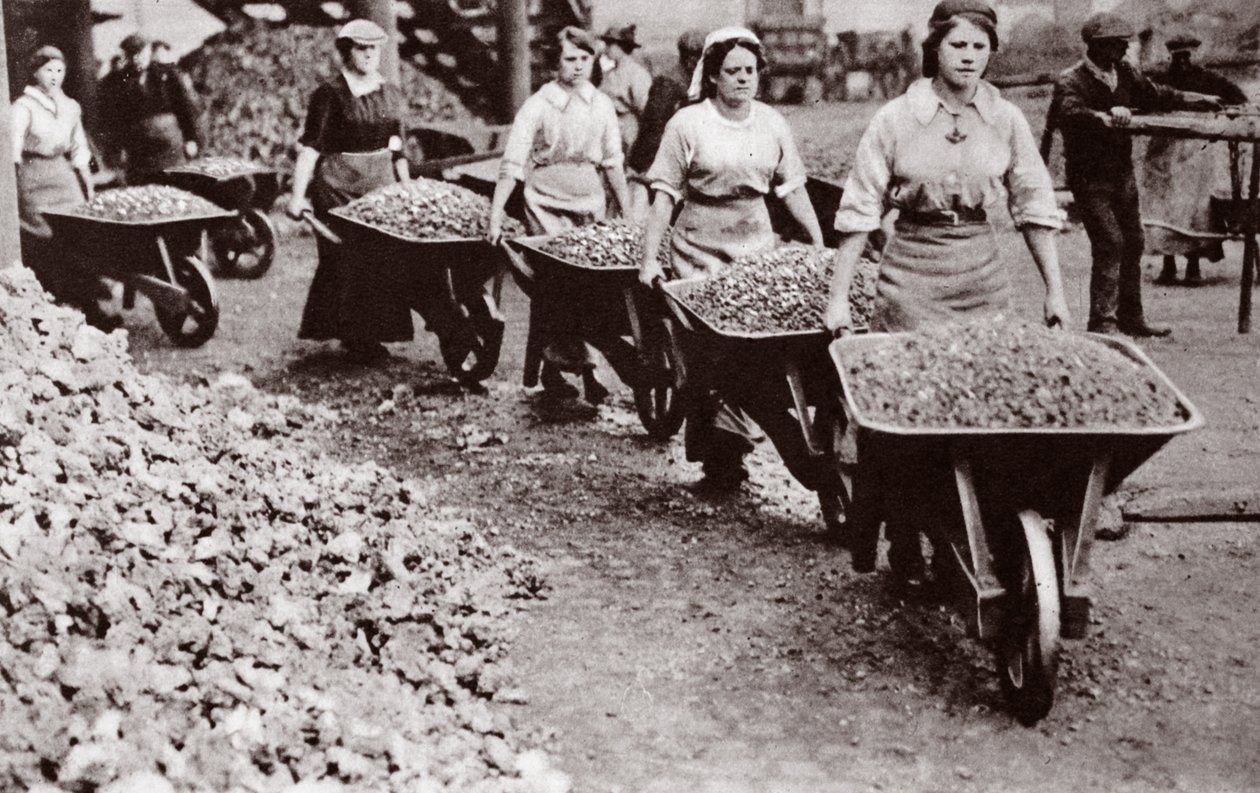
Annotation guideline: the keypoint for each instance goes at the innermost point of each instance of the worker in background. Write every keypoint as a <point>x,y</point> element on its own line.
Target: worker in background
<point>625,81</point>
<point>1179,175</point>
<point>669,92</point>
<point>1101,91</point>
<point>150,120</point>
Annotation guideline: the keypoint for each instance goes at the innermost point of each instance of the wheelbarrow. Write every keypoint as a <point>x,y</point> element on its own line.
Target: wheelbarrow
<point>246,246</point>
<point>1013,511</point>
<point>611,310</point>
<point>824,195</point>
<point>163,259</point>
<point>455,285</point>
<point>785,382</point>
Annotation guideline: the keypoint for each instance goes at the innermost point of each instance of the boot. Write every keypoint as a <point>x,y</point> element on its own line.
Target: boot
<point>1193,276</point>
<point>1168,275</point>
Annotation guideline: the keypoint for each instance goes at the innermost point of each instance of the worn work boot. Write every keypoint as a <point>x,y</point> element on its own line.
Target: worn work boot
<point>1168,275</point>
<point>1138,329</point>
<point>1193,276</point>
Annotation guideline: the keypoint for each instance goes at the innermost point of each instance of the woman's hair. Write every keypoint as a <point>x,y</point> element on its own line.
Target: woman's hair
<point>715,56</point>
<point>938,32</point>
<point>344,47</point>
<point>41,57</point>
<point>582,39</point>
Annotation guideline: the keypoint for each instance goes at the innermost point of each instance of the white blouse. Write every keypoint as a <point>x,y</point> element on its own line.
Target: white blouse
<point>906,161</point>
<point>559,126</point>
<point>49,126</point>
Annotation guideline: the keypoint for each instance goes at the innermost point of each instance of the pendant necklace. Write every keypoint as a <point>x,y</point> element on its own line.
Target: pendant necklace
<point>956,136</point>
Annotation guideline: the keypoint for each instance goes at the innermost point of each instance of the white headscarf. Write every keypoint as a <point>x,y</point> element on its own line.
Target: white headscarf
<point>717,37</point>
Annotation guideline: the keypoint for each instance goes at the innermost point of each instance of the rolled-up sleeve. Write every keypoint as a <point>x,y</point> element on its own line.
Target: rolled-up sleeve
<point>669,170</point>
<point>789,175</point>
<point>1029,188</point>
<point>865,191</point>
<point>611,155</point>
<point>520,140</point>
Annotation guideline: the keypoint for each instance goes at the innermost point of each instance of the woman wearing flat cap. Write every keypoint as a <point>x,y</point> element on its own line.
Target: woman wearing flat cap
<point>352,144</point>
<point>721,157</point>
<point>51,152</point>
<point>626,81</point>
<point>564,146</point>
<point>948,154</point>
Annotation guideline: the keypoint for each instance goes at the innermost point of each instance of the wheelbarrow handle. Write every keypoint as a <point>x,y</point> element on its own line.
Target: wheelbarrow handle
<point>320,228</point>
<point>517,260</point>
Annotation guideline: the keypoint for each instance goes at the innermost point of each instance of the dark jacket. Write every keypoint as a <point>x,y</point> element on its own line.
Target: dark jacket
<point>126,100</point>
<point>667,94</point>
<point>1095,152</point>
<point>1193,77</point>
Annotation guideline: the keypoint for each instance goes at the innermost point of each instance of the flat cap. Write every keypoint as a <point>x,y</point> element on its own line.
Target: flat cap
<point>1183,41</point>
<point>946,9</point>
<point>1105,25</point>
<point>362,31</point>
<point>133,44</point>
<point>624,35</point>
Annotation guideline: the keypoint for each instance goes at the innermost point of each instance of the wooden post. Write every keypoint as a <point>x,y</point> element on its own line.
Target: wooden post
<point>76,20</point>
<point>382,13</point>
<point>512,40</point>
<point>1251,252</point>
<point>10,242</point>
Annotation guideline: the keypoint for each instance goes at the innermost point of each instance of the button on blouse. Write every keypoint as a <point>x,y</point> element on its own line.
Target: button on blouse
<point>906,161</point>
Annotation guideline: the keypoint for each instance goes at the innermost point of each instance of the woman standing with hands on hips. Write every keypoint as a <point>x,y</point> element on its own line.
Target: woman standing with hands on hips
<point>352,144</point>
<point>721,157</point>
<point>946,154</point>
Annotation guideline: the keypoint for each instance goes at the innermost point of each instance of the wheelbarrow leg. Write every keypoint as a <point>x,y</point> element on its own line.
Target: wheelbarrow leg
<point>1076,540</point>
<point>977,561</point>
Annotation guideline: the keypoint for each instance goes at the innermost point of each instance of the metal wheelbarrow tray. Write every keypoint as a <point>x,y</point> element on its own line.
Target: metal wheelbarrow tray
<point>453,283</point>
<point>605,306</point>
<point>245,247</point>
<point>1022,524</point>
<point>164,259</point>
<point>786,383</point>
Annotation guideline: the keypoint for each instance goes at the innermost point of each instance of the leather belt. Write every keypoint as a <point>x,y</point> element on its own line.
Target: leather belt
<point>944,217</point>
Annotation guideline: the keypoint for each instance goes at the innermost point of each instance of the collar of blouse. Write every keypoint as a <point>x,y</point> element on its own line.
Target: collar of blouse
<point>361,85</point>
<point>49,103</point>
<point>925,102</point>
<point>558,95</point>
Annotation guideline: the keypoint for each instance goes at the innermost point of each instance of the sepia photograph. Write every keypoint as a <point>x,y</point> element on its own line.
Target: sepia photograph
<point>630,396</point>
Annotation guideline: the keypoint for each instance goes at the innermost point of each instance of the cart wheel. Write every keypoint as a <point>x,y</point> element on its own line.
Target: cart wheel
<point>1029,647</point>
<point>195,325</point>
<point>657,397</point>
<point>247,247</point>
<point>836,498</point>
<point>472,354</point>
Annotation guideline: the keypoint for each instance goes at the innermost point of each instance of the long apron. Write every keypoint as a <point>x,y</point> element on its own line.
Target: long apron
<point>1177,179</point>
<point>345,300</point>
<point>934,274</point>
<point>156,145</point>
<point>45,183</point>
<point>708,234</point>
<point>558,197</point>
<point>711,232</point>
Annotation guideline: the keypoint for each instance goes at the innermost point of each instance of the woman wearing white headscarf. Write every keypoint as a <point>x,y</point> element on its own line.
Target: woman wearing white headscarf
<point>721,157</point>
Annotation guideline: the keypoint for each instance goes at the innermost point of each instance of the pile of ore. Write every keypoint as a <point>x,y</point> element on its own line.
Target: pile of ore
<point>998,374</point>
<point>255,82</point>
<point>426,209</point>
<point>220,167</point>
<point>826,160</point>
<point>147,203</point>
<point>192,598</point>
<point>608,243</point>
<point>783,291</point>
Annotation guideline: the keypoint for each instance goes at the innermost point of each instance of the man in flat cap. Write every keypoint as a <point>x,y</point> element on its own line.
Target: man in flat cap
<point>625,81</point>
<point>1178,176</point>
<point>1105,87</point>
<point>149,114</point>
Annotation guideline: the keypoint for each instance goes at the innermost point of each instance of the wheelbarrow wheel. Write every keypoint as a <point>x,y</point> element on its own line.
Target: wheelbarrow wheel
<point>657,394</point>
<point>1029,647</point>
<point>245,248</point>
<point>195,324</point>
<point>835,499</point>
<point>471,354</point>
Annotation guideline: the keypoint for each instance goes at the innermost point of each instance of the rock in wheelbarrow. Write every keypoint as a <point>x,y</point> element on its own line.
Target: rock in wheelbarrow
<point>146,203</point>
<point>426,209</point>
<point>607,243</point>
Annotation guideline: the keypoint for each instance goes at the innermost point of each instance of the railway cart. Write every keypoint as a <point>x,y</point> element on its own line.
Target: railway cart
<point>245,247</point>
<point>1012,510</point>
<point>785,382</point>
<point>163,259</point>
<point>611,310</point>
<point>454,284</point>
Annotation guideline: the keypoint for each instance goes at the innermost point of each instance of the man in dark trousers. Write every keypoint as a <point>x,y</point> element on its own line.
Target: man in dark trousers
<point>1185,75</point>
<point>149,115</point>
<point>1104,86</point>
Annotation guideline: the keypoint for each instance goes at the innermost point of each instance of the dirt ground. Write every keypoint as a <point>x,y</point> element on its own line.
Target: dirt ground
<point>689,644</point>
